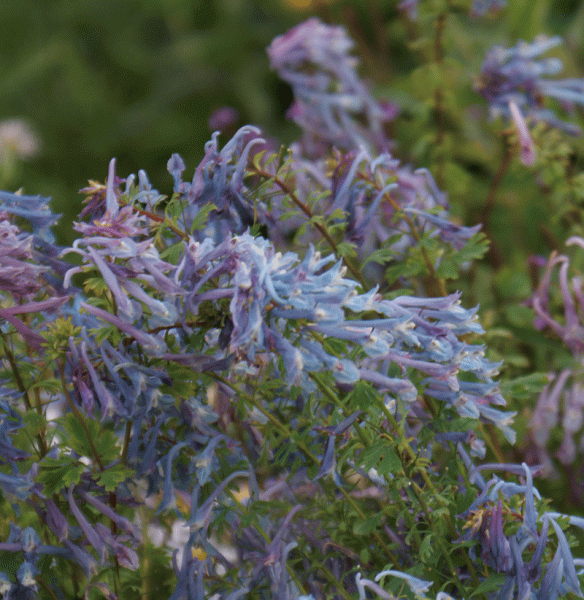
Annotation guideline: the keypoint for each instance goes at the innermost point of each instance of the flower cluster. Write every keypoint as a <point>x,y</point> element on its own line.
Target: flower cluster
<point>515,84</point>
<point>329,96</point>
<point>563,398</point>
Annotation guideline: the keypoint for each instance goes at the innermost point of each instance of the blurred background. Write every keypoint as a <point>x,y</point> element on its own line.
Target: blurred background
<point>82,82</point>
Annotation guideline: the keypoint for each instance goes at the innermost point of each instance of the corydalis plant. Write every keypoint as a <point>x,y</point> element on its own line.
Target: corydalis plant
<point>141,344</point>
<point>313,433</point>
<point>329,97</point>
<point>562,400</point>
<point>515,84</point>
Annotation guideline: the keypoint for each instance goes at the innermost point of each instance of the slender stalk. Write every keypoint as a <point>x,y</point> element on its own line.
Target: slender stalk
<point>375,533</point>
<point>438,281</point>
<point>43,448</point>
<point>308,212</point>
<point>80,418</point>
<point>45,587</point>
<point>127,439</point>
<point>333,581</point>
<point>276,422</point>
<point>490,437</point>
<point>335,399</point>
<point>430,484</point>
<point>490,202</point>
<point>420,497</point>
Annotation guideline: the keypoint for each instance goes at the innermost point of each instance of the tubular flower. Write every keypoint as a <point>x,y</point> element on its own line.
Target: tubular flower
<point>270,293</point>
<point>315,60</point>
<point>515,84</point>
<point>504,553</point>
<point>561,401</point>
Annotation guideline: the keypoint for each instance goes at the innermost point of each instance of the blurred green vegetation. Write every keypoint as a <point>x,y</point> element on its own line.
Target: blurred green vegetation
<point>134,79</point>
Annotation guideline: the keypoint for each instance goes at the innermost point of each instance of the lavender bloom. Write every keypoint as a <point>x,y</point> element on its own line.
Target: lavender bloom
<point>515,84</point>
<point>503,553</point>
<point>10,422</point>
<point>33,209</point>
<point>218,180</point>
<point>270,292</point>
<point>18,274</point>
<point>384,204</point>
<point>329,96</point>
<point>562,400</point>
<point>480,8</point>
<point>525,141</point>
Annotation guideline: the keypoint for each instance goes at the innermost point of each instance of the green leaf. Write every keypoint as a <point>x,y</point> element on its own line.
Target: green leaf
<point>104,440</point>
<point>464,502</point>
<point>112,477</point>
<point>106,446</point>
<point>201,217</point>
<point>426,548</point>
<point>57,473</point>
<point>369,457</point>
<point>475,248</point>
<point>362,396</point>
<point>390,463</point>
<point>524,387</point>
<point>492,583</point>
<point>368,525</point>
<point>34,422</point>
<point>75,436</point>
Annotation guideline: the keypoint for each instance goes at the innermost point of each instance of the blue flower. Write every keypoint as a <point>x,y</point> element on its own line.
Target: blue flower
<point>314,58</point>
<point>515,83</point>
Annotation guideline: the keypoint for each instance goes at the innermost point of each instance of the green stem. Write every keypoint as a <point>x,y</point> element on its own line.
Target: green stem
<point>420,497</point>
<point>490,202</point>
<point>438,281</point>
<point>43,449</point>
<point>45,587</point>
<point>308,212</point>
<point>333,581</point>
<point>375,534</point>
<point>325,389</point>
<point>277,423</point>
<point>430,485</point>
<point>80,418</point>
<point>127,439</point>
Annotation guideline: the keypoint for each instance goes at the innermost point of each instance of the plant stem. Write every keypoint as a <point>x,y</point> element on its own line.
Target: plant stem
<point>308,212</point>
<point>438,281</point>
<point>495,253</point>
<point>43,449</point>
<point>80,418</point>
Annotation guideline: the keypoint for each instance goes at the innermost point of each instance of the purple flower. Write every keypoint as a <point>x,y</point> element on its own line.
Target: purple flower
<point>32,208</point>
<point>515,83</point>
<point>314,58</point>
<point>223,118</point>
<point>480,8</point>
<point>525,140</point>
<point>19,275</point>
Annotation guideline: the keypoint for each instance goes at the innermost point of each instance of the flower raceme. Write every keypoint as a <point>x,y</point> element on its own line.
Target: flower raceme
<point>515,84</point>
<point>301,315</point>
